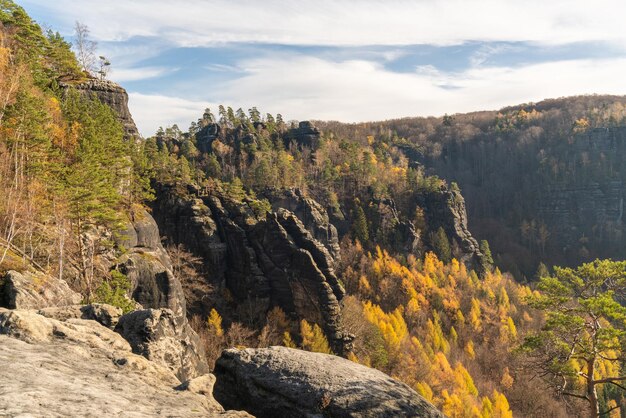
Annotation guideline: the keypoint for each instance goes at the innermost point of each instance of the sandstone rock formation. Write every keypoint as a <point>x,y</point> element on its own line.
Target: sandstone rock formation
<point>284,382</point>
<point>206,136</point>
<point>312,215</point>
<point>268,260</point>
<point>148,266</point>
<point>305,135</point>
<point>114,96</point>
<point>29,290</point>
<point>103,314</point>
<point>445,208</point>
<point>77,367</point>
<point>161,332</point>
<point>160,336</point>
<point>392,232</point>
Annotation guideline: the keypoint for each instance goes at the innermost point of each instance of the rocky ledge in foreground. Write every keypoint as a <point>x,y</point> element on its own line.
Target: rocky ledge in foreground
<point>77,367</point>
<point>284,382</point>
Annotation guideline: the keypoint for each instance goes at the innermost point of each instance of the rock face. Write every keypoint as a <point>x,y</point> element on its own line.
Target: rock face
<point>284,382</point>
<point>445,208</point>
<point>77,367</point>
<point>161,332</point>
<point>114,96</point>
<point>149,268</point>
<point>160,336</point>
<point>28,290</point>
<point>312,215</point>
<point>392,232</point>
<point>269,261</point>
<point>206,136</point>
<point>305,135</point>
<point>103,314</point>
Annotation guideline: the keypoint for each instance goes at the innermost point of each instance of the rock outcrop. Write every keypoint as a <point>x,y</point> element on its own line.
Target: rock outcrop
<point>160,336</point>
<point>206,136</point>
<point>103,314</point>
<point>112,95</point>
<point>284,382</point>
<point>312,215</point>
<point>445,208</point>
<point>78,367</point>
<point>270,260</point>
<point>148,266</point>
<point>390,231</point>
<point>30,290</point>
<point>161,331</point>
<point>305,135</point>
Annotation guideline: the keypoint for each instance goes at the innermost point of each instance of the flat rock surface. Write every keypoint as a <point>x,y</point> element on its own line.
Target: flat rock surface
<point>78,368</point>
<point>29,290</point>
<point>284,382</point>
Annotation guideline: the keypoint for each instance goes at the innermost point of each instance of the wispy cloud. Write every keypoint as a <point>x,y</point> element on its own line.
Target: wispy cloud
<point>351,91</point>
<point>122,75</point>
<point>151,111</point>
<point>345,22</point>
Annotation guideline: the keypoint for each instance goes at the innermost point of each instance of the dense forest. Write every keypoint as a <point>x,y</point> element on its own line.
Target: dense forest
<point>421,299</point>
<point>543,181</point>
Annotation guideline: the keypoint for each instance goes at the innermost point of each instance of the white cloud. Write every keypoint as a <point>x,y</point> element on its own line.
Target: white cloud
<point>351,91</point>
<point>121,75</point>
<point>152,111</point>
<point>345,22</point>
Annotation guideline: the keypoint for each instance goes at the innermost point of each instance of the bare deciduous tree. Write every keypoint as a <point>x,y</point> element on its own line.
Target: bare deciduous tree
<point>84,47</point>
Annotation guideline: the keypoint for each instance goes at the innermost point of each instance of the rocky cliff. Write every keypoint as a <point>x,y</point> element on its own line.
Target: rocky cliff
<point>445,208</point>
<point>287,258</point>
<point>267,259</point>
<point>111,94</point>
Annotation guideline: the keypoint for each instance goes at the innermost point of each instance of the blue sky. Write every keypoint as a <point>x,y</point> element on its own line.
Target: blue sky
<point>343,60</point>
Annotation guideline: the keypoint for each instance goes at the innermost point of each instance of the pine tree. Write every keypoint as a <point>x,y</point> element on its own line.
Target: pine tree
<point>581,345</point>
<point>360,230</point>
<point>441,245</point>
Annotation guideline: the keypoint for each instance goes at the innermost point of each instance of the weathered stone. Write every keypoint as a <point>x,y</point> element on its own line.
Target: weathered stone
<point>268,261</point>
<point>31,327</point>
<point>77,367</point>
<point>305,135</point>
<point>112,95</point>
<point>312,215</point>
<point>284,382</point>
<point>445,208</point>
<point>392,232</point>
<point>160,336</point>
<point>153,285</point>
<point>29,290</point>
<point>104,314</point>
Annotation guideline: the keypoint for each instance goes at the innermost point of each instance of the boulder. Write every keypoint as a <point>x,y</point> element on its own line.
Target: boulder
<point>78,367</point>
<point>28,290</point>
<point>160,336</point>
<point>104,314</point>
<point>153,285</point>
<point>285,382</point>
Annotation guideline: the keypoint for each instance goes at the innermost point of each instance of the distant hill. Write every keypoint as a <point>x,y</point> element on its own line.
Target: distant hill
<point>542,181</point>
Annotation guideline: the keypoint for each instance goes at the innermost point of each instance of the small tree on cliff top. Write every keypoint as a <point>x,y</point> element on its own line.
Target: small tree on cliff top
<point>582,345</point>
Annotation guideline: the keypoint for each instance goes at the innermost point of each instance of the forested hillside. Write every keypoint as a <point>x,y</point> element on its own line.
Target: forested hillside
<point>326,237</point>
<point>544,182</point>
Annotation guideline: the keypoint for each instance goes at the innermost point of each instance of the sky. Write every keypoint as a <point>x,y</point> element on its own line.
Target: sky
<point>352,61</point>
